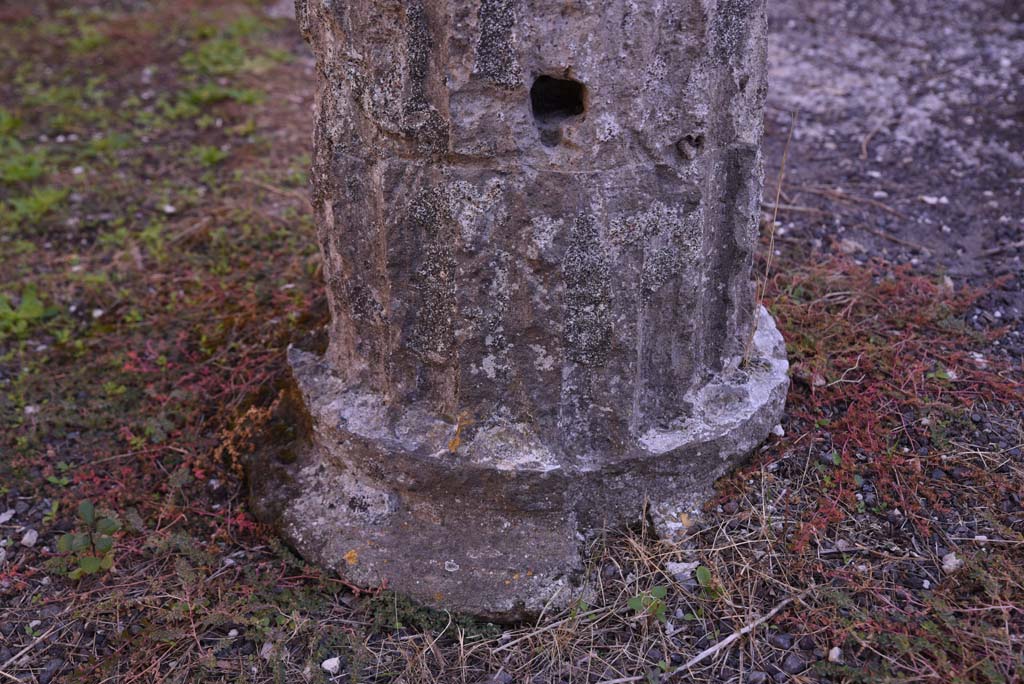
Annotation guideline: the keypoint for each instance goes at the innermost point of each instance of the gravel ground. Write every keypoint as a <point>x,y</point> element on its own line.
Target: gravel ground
<point>909,141</point>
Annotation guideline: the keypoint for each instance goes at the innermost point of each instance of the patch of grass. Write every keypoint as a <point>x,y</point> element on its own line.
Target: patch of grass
<point>9,123</point>
<point>106,146</point>
<point>90,38</point>
<point>17,321</point>
<point>18,165</point>
<point>865,337</point>
<point>390,612</point>
<point>219,56</point>
<point>212,93</point>
<point>208,155</point>
<point>190,103</point>
<point>33,207</point>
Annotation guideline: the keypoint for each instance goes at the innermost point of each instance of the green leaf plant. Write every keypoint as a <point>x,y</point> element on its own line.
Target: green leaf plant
<point>92,548</point>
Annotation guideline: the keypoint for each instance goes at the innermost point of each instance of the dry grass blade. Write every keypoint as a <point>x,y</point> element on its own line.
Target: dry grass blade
<point>771,240</point>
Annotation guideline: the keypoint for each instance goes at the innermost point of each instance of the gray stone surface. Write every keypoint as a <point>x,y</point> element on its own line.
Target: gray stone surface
<point>537,222</point>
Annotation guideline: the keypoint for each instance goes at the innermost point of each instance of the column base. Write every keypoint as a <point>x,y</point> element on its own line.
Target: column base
<point>496,527</point>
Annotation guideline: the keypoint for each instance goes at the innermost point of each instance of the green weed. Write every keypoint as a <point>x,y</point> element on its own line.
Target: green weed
<point>16,322</point>
<point>93,547</point>
<point>208,155</point>
<point>9,123</point>
<point>651,603</point>
<point>90,38</point>
<point>35,206</point>
<point>216,57</point>
<point>105,146</point>
<point>19,166</point>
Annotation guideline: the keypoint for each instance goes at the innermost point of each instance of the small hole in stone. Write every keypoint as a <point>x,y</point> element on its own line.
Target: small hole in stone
<point>690,146</point>
<point>554,99</point>
<point>550,136</point>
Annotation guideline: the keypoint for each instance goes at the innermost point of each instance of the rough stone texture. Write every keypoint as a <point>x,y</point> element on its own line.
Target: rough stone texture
<point>537,222</point>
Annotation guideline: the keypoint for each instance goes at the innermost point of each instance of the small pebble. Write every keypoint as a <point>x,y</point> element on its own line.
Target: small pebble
<point>233,633</point>
<point>501,678</point>
<point>781,640</point>
<point>793,663</point>
<point>913,582</point>
<point>835,655</point>
<point>681,571</point>
<point>30,538</point>
<point>950,563</point>
<point>757,677</point>
<point>806,643</point>
<point>332,665</point>
<point>53,666</point>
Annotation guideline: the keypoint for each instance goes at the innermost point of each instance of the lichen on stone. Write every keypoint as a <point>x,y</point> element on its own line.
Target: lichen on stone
<point>495,52</point>
<point>588,319</point>
<point>433,335</point>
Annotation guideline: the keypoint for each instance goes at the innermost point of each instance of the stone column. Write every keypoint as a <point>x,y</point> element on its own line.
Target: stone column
<point>537,221</point>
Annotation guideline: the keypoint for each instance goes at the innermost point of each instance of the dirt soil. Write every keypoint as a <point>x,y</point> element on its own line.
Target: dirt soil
<point>909,138</point>
<point>158,254</point>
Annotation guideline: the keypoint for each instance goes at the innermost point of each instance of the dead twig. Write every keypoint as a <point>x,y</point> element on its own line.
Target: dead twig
<point>738,634</point>
<point>284,192</point>
<point>841,196</point>
<point>720,646</point>
<point>867,139</point>
<point>893,238</point>
<point>797,208</point>
<point>35,642</point>
<point>553,625</point>
<point>1004,248</point>
<point>771,241</point>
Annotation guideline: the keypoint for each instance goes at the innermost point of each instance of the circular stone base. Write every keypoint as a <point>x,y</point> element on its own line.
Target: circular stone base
<point>495,524</point>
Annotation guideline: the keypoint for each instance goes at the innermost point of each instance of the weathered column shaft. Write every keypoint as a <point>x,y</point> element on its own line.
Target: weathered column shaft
<point>540,258</point>
<point>537,220</point>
